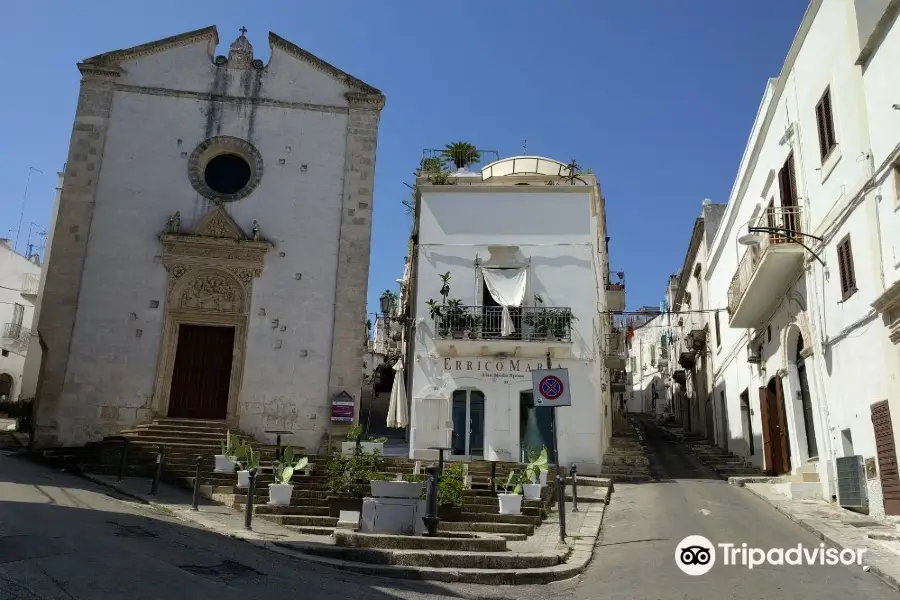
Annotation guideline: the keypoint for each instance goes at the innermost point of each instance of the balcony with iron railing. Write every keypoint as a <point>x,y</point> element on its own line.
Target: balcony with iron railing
<point>615,291</point>
<point>16,335</point>
<point>438,166</point>
<point>768,267</point>
<point>30,284</point>
<point>616,351</point>
<point>478,330</point>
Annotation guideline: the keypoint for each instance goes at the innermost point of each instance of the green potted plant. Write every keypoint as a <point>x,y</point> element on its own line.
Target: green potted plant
<point>511,498</point>
<point>451,493</point>
<point>461,154</point>
<point>474,327</point>
<point>349,479</point>
<point>280,492</point>
<point>440,312</point>
<point>456,318</point>
<point>535,470</point>
<point>356,439</point>
<point>225,462</point>
<point>247,458</point>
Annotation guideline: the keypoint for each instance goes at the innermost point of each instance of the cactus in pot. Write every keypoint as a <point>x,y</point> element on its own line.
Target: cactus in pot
<point>280,492</point>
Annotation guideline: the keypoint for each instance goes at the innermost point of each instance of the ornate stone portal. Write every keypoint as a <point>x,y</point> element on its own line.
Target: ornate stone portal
<point>211,272</point>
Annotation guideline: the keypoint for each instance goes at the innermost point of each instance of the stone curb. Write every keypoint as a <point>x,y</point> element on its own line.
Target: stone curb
<point>580,556</point>
<point>875,570</point>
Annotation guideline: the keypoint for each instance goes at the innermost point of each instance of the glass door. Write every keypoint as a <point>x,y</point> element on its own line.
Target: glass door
<point>468,423</point>
<point>536,428</point>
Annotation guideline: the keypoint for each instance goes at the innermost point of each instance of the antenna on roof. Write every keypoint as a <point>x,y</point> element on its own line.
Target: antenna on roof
<point>524,146</point>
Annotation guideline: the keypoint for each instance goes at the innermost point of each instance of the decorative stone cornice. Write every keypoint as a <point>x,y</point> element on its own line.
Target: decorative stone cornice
<point>375,101</point>
<point>111,60</point>
<point>276,41</point>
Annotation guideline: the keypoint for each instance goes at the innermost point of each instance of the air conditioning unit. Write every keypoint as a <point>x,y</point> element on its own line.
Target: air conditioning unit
<point>754,355</point>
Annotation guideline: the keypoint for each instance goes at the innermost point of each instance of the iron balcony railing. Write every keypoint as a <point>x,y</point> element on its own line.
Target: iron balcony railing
<point>615,344</point>
<point>30,284</point>
<point>531,323</point>
<point>16,333</point>
<point>783,218</point>
<point>447,161</point>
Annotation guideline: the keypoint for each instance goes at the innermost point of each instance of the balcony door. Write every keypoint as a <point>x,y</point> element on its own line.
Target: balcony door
<point>492,316</point>
<point>468,424</point>
<point>536,427</point>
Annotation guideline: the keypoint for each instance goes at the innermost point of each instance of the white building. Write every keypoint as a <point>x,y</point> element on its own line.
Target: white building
<point>802,350</point>
<point>210,256</point>
<point>518,233</point>
<point>695,405</point>
<point>647,367</point>
<point>19,278</point>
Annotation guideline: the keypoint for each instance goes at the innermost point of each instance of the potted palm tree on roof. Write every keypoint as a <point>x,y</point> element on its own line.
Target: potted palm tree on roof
<point>461,154</point>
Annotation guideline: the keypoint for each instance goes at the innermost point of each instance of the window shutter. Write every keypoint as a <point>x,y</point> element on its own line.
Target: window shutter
<point>842,268</point>
<point>829,121</point>
<point>851,273</point>
<point>820,125</point>
<point>792,179</point>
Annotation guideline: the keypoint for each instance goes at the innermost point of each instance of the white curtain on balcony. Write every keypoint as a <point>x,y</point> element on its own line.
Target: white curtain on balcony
<point>398,416</point>
<point>507,288</point>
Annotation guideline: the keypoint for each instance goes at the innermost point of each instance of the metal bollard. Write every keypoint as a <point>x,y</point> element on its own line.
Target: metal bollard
<point>573,473</point>
<point>248,507</point>
<point>157,475</point>
<point>123,460</point>
<point>196,504</point>
<point>431,519</point>
<point>561,490</point>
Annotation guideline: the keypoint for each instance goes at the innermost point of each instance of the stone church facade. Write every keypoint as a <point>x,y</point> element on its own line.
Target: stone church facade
<point>210,256</point>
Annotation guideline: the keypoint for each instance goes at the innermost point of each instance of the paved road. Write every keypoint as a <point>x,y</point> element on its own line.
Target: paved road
<point>645,523</point>
<point>62,538</point>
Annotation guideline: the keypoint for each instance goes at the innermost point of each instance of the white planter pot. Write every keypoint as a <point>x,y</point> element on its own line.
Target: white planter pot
<point>223,464</point>
<point>347,448</point>
<point>280,493</point>
<point>243,479</point>
<point>531,491</point>
<point>510,504</point>
<point>544,477</point>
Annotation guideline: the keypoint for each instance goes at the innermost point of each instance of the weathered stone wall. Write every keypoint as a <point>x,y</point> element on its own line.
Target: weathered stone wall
<point>353,254</point>
<point>141,128</point>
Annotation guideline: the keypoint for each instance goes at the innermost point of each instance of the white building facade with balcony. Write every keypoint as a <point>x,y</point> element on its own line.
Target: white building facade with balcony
<point>19,277</point>
<point>648,368</point>
<point>519,251</point>
<point>800,328</point>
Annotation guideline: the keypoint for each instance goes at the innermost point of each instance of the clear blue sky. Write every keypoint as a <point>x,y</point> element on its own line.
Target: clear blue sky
<point>656,96</point>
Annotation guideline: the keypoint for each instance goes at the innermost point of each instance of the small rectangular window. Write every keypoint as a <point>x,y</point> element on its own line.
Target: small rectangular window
<point>652,355</point>
<point>825,124</point>
<point>845,268</point>
<point>18,315</point>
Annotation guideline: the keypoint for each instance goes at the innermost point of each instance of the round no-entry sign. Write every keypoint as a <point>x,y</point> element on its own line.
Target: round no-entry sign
<point>551,387</point>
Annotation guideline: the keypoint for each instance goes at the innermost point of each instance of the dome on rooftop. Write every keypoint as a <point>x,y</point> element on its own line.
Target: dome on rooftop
<point>525,165</point>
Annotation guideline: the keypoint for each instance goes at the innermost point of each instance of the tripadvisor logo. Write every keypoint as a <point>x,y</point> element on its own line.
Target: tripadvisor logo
<point>696,555</point>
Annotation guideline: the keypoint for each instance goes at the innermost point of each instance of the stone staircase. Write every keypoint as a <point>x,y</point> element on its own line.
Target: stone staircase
<point>625,460</point>
<point>721,461</point>
<point>184,440</point>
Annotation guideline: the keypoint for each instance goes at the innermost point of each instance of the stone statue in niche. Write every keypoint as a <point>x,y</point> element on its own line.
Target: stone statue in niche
<point>174,223</point>
<point>256,234</point>
<point>212,292</point>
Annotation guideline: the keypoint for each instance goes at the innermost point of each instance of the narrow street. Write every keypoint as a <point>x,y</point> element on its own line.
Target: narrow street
<point>645,523</point>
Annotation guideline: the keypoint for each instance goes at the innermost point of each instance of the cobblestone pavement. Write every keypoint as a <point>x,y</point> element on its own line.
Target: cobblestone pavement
<point>645,522</point>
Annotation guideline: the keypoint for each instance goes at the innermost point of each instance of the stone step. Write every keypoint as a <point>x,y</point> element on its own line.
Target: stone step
<point>487,527</point>
<point>625,459</point>
<point>266,509</point>
<point>498,518</point>
<point>447,559</point>
<point>311,530</point>
<point>305,520</point>
<point>182,427</point>
<point>634,478</point>
<point>495,509</point>
<point>492,501</point>
<point>176,435</point>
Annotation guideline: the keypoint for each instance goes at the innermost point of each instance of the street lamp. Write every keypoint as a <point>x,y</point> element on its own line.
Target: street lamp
<point>387,303</point>
<point>754,237</point>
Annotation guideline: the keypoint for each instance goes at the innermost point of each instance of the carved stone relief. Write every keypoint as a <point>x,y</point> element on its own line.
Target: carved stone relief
<point>212,292</point>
